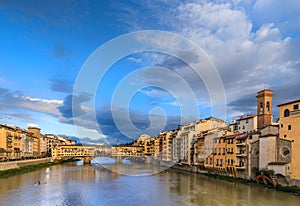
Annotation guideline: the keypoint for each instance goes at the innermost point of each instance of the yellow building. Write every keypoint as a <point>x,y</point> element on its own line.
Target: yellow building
<point>66,151</point>
<point>148,146</point>
<point>230,154</point>
<point>157,153</point>
<point>289,128</point>
<point>136,151</point>
<point>36,134</point>
<point>220,155</point>
<point>10,142</point>
<point>166,146</point>
<point>199,151</point>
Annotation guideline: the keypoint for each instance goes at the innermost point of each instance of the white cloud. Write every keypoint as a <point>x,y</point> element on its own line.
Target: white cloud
<point>32,125</point>
<point>250,55</point>
<point>47,101</point>
<point>137,60</point>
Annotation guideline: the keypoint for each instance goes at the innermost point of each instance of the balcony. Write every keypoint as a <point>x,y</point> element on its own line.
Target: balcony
<point>240,166</point>
<point>241,154</point>
<point>295,112</point>
<point>241,144</point>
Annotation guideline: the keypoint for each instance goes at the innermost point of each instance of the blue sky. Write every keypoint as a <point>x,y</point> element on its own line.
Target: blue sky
<point>44,45</point>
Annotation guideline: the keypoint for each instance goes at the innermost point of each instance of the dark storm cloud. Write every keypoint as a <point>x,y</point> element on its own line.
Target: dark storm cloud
<point>73,102</point>
<point>245,104</point>
<point>141,121</point>
<point>61,86</point>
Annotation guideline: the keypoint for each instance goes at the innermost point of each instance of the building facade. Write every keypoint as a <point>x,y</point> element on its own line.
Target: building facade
<point>289,129</point>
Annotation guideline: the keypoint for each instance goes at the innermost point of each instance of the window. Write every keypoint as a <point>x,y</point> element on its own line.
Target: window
<point>289,127</point>
<point>281,125</point>
<point>261,108</point>
<point>296,106</point>
<point>286,113</point>
<point>268,107</point>
<point>285,151</point>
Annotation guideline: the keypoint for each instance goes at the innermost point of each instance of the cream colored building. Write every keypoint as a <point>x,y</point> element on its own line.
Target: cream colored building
<point>183,143</point>
<point>274,152</point>
<point>247,123</point>
<point>27,144</point>
<point>289,129</point>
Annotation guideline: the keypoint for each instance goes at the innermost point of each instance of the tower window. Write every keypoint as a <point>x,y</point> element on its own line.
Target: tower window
<point>261,108</point>
<point>289,127</point>
<point>286,113</point>
<point>296,106</point>
<point>268,106</point>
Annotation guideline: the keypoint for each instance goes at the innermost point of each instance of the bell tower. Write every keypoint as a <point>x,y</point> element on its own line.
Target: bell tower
<point>264,108</point>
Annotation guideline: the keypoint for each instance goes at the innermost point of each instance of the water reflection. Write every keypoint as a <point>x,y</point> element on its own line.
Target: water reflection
<point>72,184</point>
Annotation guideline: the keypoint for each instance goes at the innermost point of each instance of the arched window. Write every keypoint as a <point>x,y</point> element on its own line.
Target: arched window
<point>261,108</point>
<point>286,113</point>
<point>268,107</point>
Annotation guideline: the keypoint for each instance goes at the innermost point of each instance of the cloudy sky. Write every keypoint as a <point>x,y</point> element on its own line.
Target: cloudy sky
<point>57,69</point>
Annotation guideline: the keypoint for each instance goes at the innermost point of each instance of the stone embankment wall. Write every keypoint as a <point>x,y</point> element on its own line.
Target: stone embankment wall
<point>22,163</point>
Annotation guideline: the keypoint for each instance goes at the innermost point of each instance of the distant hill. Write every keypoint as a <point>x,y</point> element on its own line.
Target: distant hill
<point>106,141</point>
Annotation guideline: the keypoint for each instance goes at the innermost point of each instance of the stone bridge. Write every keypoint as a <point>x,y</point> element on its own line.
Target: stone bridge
<point>87,153</point>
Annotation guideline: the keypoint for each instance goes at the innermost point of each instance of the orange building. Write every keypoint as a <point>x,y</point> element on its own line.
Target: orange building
<point>289,129</point>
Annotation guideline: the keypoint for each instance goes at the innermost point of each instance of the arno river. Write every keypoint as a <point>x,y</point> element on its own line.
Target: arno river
<point>130,184</point>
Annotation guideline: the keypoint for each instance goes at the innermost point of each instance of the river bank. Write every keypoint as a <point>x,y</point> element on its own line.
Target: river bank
<point>24,166</point>
<point>21,170</point>
<point>290,189</point>
<point>22,163</point>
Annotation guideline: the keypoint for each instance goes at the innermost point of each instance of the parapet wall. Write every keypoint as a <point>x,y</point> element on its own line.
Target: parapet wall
<point>22,163</point>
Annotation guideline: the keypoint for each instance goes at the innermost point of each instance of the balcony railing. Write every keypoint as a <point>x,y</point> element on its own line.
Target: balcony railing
<point>240,166</point>
<point>240,144</point>
<point>241,154</point>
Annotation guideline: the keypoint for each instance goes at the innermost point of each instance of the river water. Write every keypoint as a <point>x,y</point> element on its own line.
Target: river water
<point>131,184</point>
